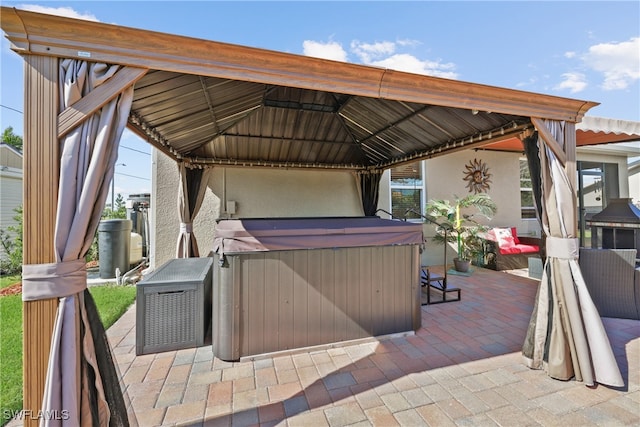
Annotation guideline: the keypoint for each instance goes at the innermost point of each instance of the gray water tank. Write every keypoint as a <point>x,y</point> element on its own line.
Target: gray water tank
<point>114,240</point>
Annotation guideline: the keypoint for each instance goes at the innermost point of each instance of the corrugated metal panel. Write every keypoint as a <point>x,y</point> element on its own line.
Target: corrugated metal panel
<point>237,121</point>
<point>291,299</point>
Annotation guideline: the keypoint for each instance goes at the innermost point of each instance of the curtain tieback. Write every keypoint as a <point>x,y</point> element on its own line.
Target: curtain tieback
<point>186,227</point>
<point>55,280</point>
<point>564,248</point>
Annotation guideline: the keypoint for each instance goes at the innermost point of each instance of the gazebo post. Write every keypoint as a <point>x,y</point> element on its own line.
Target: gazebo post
<point>572,169</point>
<point>41,163</point>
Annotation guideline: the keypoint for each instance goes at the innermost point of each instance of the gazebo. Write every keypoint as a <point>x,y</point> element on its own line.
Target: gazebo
<point>208,104</point>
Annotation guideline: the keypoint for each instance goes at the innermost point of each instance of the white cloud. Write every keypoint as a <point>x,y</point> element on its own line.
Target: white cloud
<point>411,64</point>
<point>59,11</point>
<point>618,62</point>
<point>382,54</point>
<point>574,82</point>
<point>369,52</point>
<point>329,50</point>
<point>569,55</point>
<point>408,42</point>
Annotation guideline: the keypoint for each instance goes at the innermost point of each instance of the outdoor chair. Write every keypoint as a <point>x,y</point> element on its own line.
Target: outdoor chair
<point>437,283</point>
<point>613,281</point>
<point>505,250</point>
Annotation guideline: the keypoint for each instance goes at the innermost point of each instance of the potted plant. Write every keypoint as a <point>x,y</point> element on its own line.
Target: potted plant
<point>460,226</point>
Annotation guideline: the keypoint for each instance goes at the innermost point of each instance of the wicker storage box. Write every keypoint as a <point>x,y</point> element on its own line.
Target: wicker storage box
<point>173,306</point>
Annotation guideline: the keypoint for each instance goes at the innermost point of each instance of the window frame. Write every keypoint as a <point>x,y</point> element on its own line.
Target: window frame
<point>531,209</point>
<point>419,186</point>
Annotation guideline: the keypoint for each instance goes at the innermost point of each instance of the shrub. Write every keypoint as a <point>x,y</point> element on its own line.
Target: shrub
<point>11,241</point>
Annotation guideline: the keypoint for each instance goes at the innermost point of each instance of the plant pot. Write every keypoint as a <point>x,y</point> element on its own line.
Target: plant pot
<point>461,265</point>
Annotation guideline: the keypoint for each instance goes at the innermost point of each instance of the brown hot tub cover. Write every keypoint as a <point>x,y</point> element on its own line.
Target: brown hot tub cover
<point>251,235</point>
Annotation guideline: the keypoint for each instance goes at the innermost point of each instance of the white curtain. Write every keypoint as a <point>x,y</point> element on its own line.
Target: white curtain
<point>191,191</point>
<point>566,336</point>
<point>80,379</point>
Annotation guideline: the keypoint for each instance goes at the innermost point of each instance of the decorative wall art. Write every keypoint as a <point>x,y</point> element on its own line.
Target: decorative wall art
<point>478,176</point>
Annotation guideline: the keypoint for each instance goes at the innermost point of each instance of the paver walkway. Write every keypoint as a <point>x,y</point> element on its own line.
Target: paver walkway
<point>463,367</point>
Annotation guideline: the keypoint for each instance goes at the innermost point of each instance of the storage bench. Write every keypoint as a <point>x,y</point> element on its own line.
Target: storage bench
<point>173,306</point>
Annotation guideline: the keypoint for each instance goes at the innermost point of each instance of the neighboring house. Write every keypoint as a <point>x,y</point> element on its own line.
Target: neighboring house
<point>10,185</point>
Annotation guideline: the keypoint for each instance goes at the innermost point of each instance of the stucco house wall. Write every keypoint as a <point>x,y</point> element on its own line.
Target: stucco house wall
<point>273,192</point>
<point>444,179</point>
<point>257,193</point>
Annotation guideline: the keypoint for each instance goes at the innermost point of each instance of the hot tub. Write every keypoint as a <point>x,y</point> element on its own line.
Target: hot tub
<point>290,283</point>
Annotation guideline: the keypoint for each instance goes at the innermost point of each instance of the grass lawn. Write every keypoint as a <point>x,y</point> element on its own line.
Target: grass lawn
<point>112,301</point>
<point>8,280</point>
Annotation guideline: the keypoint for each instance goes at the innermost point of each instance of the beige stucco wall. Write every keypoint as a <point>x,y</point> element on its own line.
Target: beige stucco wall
<point>278,193</point>
<point>258,193</point>
<point>444,179</point>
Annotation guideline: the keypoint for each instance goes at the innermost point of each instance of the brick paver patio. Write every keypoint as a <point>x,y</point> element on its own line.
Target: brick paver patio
<point>463,367</point>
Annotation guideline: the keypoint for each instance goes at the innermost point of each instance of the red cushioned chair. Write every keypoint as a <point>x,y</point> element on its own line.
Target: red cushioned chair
<point>505,250</point>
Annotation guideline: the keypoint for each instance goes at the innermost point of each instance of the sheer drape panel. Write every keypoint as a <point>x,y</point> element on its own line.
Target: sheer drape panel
<point>368,186</point>
<point>191,191</point>
<point>80,382</point>
<point>565,336</point>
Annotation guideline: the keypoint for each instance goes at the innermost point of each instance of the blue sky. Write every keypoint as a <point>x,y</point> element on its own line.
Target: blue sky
<point>583,50</point>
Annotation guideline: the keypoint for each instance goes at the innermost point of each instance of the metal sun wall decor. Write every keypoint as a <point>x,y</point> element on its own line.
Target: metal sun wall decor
<point>478,176</point>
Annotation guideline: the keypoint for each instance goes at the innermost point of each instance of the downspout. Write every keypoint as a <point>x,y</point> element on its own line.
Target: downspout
<point>223,202</point>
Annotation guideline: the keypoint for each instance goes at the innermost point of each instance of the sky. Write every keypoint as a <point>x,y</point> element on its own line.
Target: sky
<point>585,50</point>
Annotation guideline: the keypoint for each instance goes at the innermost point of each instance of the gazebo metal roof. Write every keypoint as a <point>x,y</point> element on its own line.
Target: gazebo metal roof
<point>207,102</point>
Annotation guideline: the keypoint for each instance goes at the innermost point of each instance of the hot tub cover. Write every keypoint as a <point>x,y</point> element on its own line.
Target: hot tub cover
<point>253,235</point>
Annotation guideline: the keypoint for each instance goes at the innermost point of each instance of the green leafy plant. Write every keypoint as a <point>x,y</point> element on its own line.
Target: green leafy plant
<point>8,137</point>
<point>119,211</point>
<point>455,218</point>
<point>11,242</point>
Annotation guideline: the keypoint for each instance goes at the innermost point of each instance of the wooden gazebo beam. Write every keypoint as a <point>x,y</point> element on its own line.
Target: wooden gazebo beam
<point>74,115</point>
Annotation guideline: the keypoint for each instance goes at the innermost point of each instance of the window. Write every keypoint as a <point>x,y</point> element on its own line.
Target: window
<point>407,188</point>
<point>527,206</point>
